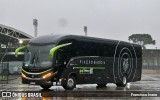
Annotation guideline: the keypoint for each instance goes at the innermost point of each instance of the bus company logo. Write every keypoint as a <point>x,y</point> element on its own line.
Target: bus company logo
<point>125,64</point>
<point>95,62</point>
<point>6,94</point>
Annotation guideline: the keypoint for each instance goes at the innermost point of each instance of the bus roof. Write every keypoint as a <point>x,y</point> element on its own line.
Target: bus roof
<point>46,39</point>
<point>53,39</point>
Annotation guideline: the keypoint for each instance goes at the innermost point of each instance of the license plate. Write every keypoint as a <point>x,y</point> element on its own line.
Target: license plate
<point>32,83</point>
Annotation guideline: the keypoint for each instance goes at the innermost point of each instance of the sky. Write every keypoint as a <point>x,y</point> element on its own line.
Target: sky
<point>110,19</point>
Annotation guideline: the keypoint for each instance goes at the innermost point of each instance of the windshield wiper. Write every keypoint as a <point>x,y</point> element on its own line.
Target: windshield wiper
<point>35,60</point>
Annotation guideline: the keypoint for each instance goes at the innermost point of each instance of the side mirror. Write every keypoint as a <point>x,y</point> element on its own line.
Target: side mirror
<point>18,49</point>
<point>54,49</point>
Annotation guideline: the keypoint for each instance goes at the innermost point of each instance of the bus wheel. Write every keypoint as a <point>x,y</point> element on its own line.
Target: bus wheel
<point>45,86</point>
<point>101,85</point>
<point>70,84</point>
<point>123,83</point>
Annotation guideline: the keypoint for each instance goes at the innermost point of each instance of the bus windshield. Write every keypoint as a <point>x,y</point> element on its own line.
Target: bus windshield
<point>38,56</point>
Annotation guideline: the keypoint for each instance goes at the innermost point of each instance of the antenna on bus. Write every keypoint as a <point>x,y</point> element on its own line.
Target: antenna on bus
<point>35,24</point>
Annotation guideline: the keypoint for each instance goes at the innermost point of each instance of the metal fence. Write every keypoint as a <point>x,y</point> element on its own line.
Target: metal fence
<point>4,72</point>
<point>151,59</point>
<point>152,67</point>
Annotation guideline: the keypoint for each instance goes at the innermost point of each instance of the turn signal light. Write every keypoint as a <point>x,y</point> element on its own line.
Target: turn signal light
<point>46,75</point>
<point>23,75</point>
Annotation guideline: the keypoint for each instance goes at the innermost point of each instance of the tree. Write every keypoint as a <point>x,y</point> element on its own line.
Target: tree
<point>142,39</point>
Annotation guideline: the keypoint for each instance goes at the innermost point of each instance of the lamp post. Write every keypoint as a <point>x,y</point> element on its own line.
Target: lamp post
<point>35,24</point>
<point>85,30</point>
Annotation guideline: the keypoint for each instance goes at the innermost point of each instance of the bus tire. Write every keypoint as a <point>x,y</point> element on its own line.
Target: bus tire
<point>45,87</point>
<point>123,83</point>
<point>70,84</point>
<point>101,85</point>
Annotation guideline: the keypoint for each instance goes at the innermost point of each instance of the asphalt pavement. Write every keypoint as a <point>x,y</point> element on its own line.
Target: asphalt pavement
<point>150,83</point>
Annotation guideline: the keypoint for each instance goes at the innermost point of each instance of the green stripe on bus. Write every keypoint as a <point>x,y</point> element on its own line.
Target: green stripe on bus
<point>52,51</point>
<point>89,67</point>
<point>18,49</point>
<point>36,73</point>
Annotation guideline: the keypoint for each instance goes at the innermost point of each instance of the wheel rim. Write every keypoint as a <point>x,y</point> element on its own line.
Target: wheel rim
<point>124,80</point>
<point>70,82</point>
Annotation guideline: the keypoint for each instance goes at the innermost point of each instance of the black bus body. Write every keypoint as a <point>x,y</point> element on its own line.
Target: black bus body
<point>68,60</point>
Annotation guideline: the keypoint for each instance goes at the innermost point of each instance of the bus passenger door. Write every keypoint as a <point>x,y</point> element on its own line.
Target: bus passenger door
<point>59,63</point>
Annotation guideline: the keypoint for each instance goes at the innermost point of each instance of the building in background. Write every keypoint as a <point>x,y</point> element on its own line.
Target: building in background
<point>10,39</point>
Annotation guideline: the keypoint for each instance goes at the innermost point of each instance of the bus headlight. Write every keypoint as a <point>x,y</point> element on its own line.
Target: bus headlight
<point>47,75</point>
<point>23,75</point>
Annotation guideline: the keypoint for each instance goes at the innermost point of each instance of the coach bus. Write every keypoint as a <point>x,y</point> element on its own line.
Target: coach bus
<point>68,60</point>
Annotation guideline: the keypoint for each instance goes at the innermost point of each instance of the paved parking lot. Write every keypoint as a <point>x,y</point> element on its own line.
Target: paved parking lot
<point>148,83</point>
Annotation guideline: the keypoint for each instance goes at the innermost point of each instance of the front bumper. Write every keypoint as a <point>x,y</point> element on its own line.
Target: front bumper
<point>37,81</point>
<point>52,80</point>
